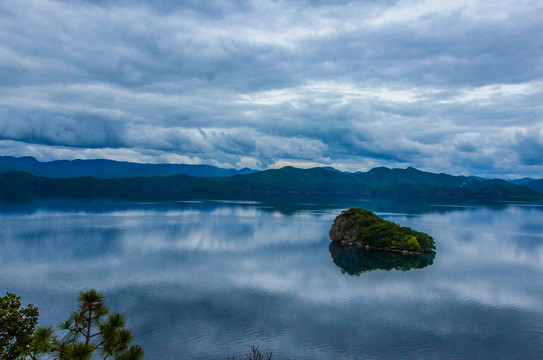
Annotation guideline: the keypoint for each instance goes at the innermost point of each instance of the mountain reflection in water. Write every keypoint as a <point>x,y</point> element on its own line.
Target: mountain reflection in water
<point>205,280</point>
<point>354,261</point>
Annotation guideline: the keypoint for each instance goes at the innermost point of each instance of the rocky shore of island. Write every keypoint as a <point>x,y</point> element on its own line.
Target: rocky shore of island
<point>363,229</point>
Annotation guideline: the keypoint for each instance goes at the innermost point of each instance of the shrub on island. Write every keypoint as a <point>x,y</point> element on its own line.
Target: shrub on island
<point>362,228</point>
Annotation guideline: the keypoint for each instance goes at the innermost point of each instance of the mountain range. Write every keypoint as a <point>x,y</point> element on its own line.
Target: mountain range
<point>104,169</point>
<point>27,183</point>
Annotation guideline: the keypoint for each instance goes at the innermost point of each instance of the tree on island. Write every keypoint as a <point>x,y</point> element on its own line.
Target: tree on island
<point>90,332</point>
<point>362,228</point>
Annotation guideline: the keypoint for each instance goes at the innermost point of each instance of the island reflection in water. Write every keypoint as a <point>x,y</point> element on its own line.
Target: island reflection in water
<point>355,261</point>
<point>205,280</point>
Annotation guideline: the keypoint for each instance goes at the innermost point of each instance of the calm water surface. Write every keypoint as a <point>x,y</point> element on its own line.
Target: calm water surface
<point>205,280</point>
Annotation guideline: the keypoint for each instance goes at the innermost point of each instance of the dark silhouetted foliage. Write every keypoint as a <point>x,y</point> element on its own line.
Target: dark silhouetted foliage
<point>17,325</point>
<point>255,354</point>
<point>91,332</point>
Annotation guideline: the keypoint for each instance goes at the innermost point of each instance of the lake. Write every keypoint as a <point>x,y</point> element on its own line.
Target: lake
<point>205,280</point>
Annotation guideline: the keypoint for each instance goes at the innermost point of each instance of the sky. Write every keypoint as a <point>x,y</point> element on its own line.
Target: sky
<point>453,87</point>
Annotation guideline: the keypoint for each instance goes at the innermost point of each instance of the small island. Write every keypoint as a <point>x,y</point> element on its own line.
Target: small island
<point>363,229</point>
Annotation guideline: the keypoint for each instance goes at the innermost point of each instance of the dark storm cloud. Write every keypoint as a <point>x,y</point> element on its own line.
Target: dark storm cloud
<point>69,129</point>
<point>355,84</point>
<point>529,146</point>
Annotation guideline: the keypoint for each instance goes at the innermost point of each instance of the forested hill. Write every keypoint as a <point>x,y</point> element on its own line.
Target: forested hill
<point>536,185</point>
<point>378,183</point>
<point>103,169</point>
<point>383,176</point>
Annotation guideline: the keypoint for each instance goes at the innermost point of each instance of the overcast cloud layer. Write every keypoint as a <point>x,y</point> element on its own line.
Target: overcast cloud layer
<point>454,88</point>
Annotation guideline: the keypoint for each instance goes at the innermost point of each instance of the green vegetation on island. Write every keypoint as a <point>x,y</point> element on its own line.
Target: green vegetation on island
<point>362,228</point>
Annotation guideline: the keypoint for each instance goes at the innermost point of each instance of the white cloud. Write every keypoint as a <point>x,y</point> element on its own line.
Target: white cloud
<point>349,84</point>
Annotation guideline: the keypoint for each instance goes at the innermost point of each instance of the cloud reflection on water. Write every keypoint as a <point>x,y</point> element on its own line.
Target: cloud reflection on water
<point>208,281</point>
